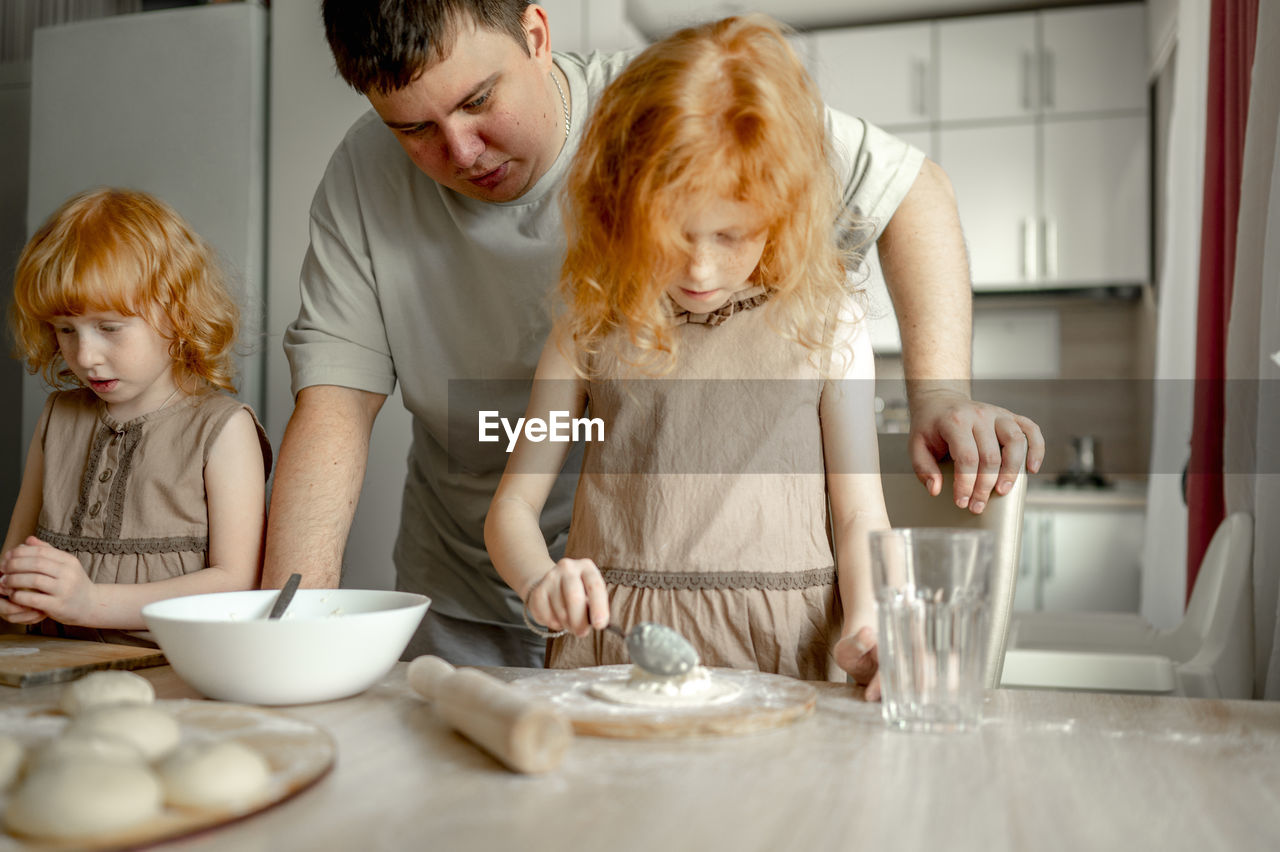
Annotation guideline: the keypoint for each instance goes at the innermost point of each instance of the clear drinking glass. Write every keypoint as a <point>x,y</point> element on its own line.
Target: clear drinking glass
<point>932,596</point>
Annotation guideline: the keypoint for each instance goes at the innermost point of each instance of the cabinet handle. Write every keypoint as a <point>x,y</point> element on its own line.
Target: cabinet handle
<point>1026,559</point>
<point>1028,72</point>
<point>1030,259</point>
<point>1041,558</point>
<point>1046,548</point>
<point>1047,94</point>
<point>1038,558</point>
<point>918,77</point>
<point>1050,248</point>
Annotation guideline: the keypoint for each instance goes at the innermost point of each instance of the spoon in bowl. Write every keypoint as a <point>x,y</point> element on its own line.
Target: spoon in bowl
<point>286,595</point>
<point>657,649</point>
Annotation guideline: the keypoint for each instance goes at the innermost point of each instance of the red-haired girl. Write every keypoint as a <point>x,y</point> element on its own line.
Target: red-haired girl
<point>711,329</point>
<point>145,479</point>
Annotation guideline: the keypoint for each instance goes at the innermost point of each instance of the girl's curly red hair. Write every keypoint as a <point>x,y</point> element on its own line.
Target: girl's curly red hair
<point>126,251</point>
<point>725,110</point>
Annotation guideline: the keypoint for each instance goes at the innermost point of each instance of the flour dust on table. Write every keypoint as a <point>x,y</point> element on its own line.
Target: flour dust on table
<point>697,687</point>
<point>758,701</point>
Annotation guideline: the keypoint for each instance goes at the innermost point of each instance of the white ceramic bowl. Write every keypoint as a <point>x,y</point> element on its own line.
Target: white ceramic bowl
<point>329,644</point>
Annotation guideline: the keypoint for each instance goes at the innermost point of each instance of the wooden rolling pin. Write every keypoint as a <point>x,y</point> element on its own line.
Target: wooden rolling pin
<point>526,734</point>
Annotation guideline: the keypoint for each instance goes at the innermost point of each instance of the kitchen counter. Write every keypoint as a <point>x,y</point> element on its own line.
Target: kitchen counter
<point>1047,770</point>
<point>1130,493</point>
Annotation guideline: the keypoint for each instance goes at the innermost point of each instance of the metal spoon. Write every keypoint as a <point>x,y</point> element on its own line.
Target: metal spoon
<point>657,649</point>
<point>286,595</point>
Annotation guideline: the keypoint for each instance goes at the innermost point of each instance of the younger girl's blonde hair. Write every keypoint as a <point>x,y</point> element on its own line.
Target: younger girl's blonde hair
<point>125,251</point>
<point>725,110</point>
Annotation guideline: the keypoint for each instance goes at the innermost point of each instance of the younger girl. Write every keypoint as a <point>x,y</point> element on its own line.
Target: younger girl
<point>145,480</point>
<point>710,328</point>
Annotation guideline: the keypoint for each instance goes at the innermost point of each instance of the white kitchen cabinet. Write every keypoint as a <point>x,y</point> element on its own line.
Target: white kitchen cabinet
<point>994,173</point>
<point>1044,132</point>
<point>1094,216</point>
<point>883,73</point>
<point>1056,62</point>
<point>988,68</point>
<point>1054,203</point>
<point>1080,560</point>
<point>1039,118</point>
<point>1092,59</point>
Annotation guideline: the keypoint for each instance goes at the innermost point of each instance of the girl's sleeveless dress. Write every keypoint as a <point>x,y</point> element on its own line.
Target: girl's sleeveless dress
<point>706,506</point>
<point>128,499</point>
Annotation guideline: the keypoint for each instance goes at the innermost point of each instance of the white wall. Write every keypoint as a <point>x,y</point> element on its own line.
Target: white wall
<point>581,26</point>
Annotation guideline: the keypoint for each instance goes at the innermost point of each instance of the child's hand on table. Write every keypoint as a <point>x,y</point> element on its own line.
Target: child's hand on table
<point>859,655</point>
<point>571,596</point>
<point>38,579</point>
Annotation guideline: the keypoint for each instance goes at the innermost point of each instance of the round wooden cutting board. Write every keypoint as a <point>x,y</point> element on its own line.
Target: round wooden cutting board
<point>299,754</point>
<point>766,701</point>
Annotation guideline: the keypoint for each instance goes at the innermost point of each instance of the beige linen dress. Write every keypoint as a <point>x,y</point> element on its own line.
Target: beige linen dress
<point>128,499</point>
<point>705,505</point>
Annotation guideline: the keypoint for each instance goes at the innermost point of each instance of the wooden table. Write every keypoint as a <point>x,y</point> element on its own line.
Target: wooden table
<point>1047,770</point>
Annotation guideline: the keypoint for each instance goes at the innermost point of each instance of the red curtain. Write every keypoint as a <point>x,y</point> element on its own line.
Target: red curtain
<point>1233,27</point>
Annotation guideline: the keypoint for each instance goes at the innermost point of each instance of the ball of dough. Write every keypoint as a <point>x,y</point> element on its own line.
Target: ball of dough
<point>76,799</point>
<point>152,730</point>
<point>86,745</point>
<point>11,754</point>
<point>109,687</point>
<point>207,775</point>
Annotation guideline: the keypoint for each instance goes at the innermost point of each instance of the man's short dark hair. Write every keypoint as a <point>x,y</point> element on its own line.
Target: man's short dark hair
<point>382,45</point>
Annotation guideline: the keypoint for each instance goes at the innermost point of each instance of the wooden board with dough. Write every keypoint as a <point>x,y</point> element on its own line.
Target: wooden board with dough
<point>27,660</point>
<point>765,701</point>
<point>299,754</point>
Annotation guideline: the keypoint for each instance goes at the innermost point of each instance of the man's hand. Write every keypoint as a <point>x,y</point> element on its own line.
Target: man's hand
<point>926,269</point>
<point>987,443</point>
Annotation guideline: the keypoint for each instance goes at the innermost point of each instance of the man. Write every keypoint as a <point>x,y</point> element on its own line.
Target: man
<point>435,237</point>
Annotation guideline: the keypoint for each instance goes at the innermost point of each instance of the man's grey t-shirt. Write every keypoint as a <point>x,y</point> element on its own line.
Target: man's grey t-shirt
<point>408,281</point>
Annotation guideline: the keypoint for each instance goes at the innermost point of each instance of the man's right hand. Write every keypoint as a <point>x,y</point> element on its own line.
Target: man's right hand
<point>988,444</point>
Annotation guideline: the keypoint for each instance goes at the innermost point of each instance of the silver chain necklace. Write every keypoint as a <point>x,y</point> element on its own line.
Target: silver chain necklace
<point>564,103</point>
<point>170,397</point>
